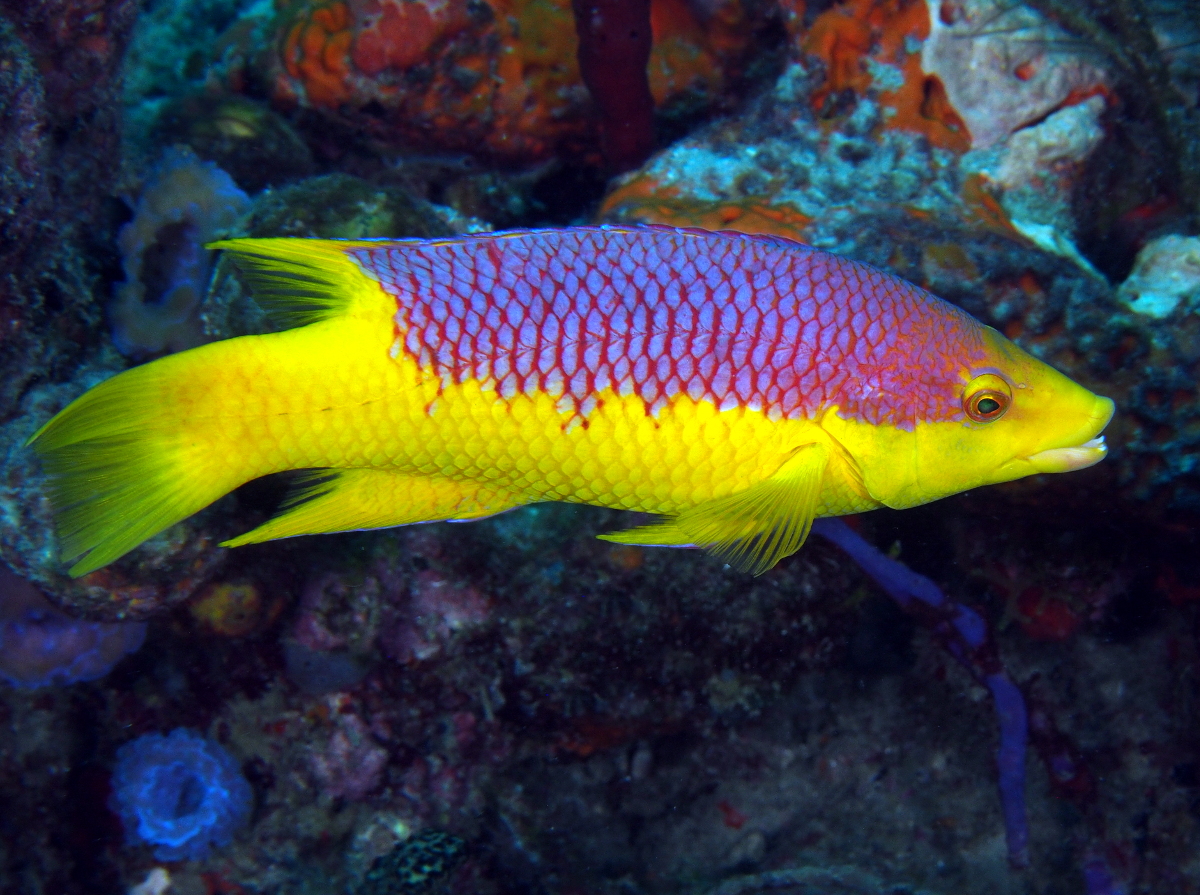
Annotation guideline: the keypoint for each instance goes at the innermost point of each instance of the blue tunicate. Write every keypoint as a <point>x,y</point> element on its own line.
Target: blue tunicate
<point>182,793</point>
<point>42,647</point>
<point>186,203</point>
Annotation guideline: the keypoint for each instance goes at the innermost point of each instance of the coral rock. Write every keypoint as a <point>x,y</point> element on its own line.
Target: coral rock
<point>256,146</point>
<point>352,763</point>
<point>40,646</point>
<point>1063,140</point>
<point>1004,67</point>
<point>186,204</point>
<point>498,78</point>
<point>1165,276</point>
<point>872,47</point>
<point>234,608</point>
<point>437,609</point>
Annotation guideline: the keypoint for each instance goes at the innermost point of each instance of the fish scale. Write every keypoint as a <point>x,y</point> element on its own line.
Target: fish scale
<point>557,323</point>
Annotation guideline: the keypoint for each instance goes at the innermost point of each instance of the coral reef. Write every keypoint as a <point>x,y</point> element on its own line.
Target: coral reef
<point>872,47</point>
<point>808,879</point>
<point>995,78</point>
<point>1138,40</point>
<point>194,96</point>
<point>198,33</point>
<point>650,716</point>
<point>1004,67</point>
<point>185,204</point>
<point>964,75</point>
<point>58,154</point>
<point>256,146</point>
<point>40,646</point>
<point>22,103</point>
<point>1032,175</point>
<point>78,50</point>
<point>499,79</point>
<point>181,793</point>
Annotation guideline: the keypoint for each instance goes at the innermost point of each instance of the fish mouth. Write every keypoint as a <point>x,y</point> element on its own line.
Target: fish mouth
<point>1069,459</point>
<point>1082,453</point>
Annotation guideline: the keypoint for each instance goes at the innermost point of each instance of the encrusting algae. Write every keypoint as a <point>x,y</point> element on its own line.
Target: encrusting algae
<point>738,386</point>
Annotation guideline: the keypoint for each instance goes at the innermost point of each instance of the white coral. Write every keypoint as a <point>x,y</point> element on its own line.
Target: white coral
<point>1004,66</point>
<point>1065,138</point>
<point>1165,275</point>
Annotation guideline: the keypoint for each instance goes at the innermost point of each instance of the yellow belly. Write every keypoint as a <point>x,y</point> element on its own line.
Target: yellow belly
<point>332,396</point>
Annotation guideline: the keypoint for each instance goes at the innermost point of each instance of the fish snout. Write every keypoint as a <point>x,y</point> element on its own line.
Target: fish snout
<point>1083,448</point>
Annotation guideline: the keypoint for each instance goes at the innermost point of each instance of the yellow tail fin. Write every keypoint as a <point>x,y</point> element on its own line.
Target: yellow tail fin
<point>130,458</point>
<point>117,473</point>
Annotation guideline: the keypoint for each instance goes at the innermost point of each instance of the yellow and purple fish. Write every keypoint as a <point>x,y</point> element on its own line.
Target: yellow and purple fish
<point>737,386</point>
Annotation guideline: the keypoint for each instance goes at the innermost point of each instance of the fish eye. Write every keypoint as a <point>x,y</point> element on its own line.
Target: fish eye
<point>986,398</point>
<point>985,406</point>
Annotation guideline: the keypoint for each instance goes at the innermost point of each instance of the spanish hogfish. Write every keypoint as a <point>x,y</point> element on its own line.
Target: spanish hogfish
<point>738,386</point>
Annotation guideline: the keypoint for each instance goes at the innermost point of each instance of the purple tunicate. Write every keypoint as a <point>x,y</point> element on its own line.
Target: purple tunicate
<point>1098,878</point>
<point>40,646</point>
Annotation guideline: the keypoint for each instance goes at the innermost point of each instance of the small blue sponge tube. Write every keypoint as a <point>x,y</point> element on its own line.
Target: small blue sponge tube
<point>182,793</point>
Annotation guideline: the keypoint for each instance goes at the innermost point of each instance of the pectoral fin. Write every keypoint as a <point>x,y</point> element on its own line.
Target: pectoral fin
<point>357,499</point>
<point>753,529</point>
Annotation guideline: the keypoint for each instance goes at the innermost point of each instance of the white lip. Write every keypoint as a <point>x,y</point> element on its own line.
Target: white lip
<point>1069,459</point>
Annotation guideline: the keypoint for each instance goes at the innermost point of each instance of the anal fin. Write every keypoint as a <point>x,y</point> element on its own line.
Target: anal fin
<point>753,529</point>
<point>332,500</point>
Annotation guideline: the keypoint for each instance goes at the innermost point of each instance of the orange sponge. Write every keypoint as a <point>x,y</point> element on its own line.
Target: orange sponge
<point>851,35</point>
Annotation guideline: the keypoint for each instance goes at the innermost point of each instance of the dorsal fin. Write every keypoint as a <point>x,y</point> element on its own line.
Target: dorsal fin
<point>301,281</point>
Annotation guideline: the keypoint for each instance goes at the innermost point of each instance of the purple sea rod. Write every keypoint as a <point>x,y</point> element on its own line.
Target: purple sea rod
<point>965,634</point>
